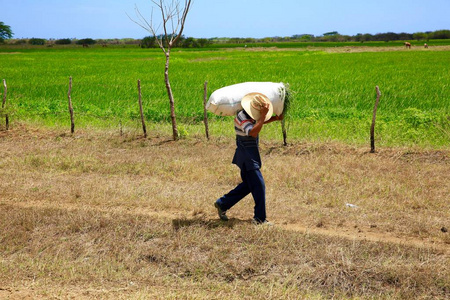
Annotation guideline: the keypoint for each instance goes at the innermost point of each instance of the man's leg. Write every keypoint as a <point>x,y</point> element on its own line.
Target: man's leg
<point>234,196</point>
<point>257,187</point>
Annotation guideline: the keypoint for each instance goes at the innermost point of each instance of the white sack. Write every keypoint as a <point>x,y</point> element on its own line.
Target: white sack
<point>226,101</point>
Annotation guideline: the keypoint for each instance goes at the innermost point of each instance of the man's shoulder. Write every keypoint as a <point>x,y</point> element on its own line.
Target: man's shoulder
<point>242,115</point>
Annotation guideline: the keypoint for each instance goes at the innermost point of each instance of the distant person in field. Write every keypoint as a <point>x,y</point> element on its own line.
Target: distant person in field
<point>257,111</point>
<point>426,46</point>
<point>408,45</point>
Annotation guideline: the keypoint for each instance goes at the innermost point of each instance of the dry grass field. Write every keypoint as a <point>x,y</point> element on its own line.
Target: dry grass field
<point>103,216</point>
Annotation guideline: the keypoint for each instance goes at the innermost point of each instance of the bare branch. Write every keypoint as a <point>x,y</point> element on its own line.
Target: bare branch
<point>165,18</point>
<point>143,23</point>
<point>183,18</point>
<point>168,14</point>
<point>157,4</point>
<point>177,13</point>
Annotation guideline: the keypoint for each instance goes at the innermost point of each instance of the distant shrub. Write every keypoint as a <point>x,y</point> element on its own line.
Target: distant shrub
<point>20,42</point>
<point>129,41</point>
<point>440,34</point>
<point>36,41</point>
<point>203,42</point>
<point>148,42</point>
<point>86,42</point>
<point>420,36</point>
<point>189,42</point>
<point>63,42</point>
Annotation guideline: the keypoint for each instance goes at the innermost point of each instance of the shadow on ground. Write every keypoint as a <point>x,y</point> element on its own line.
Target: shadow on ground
<point>210,224</point>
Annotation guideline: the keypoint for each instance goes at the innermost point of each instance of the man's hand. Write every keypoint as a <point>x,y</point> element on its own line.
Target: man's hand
<point>263,111</point>
<point>280,117</point>
<point>264,108</point>
<point>275,118</point>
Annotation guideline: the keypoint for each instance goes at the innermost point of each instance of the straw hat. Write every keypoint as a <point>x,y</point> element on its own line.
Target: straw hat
<point>252,103</point>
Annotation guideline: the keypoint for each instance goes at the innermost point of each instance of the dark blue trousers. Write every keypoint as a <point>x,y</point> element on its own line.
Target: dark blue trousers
<point>252,182</point>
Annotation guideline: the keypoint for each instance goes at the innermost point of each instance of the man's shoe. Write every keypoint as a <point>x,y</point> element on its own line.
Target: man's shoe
<point>222,213</point>
<point>258,222</point>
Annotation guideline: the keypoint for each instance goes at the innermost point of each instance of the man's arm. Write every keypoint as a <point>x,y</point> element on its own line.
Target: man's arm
<point>274,118</point>
<point>256,128</point>
<point>259,124</point>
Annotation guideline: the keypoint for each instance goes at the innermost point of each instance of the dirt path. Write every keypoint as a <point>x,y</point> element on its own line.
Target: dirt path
<point>348,233</point>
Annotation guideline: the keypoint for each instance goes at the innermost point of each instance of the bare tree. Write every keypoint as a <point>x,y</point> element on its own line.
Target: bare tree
<point>172,26</point>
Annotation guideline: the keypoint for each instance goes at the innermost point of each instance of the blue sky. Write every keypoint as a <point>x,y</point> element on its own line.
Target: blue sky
<point>225,18</point>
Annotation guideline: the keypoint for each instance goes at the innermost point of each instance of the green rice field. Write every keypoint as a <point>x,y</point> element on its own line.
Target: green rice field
<point>334,91</point>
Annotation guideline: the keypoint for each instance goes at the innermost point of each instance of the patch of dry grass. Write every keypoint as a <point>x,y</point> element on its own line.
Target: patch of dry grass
<point>344,49</point>
<point>381,49</point>
<point>125,254</point>
<point>103,216</point>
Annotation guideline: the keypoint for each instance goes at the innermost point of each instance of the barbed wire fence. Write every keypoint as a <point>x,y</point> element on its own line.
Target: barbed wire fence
<point>139,119</point>
<point>135,121</point>
<point>111,119</point>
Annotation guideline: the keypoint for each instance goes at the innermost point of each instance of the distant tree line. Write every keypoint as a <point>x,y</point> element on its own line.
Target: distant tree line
<point>182,42</point>
<point>68,41</point>
<point>190,42</point>
<point>334,36</point>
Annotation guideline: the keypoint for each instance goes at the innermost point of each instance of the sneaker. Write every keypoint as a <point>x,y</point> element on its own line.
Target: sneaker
<point>222,213</point>
<point>258,222</point>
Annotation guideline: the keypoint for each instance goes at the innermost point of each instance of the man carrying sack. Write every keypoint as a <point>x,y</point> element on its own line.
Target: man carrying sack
<point>257,111</point>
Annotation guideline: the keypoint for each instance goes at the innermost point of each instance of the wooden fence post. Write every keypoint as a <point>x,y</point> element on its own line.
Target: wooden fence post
<point>205,114</point>
<point>4,104</point>
<point>140,108</point>
<point>372,128</point>
<point>72,123</point>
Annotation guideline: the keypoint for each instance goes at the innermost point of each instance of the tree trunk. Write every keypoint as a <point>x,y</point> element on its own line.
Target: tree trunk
<point>172,102</point>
